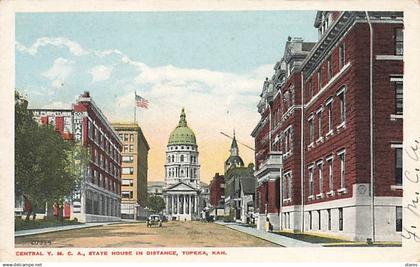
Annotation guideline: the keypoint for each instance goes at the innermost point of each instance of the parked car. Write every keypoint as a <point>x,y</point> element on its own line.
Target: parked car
<point>154,220</point>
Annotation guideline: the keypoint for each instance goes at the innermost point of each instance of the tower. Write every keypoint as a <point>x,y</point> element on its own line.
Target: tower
<point>182,173</point>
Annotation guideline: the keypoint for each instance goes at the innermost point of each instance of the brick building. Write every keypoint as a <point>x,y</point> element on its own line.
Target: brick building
<point>217,190</point>
<point>98,196</point>
<point>351,139</point>
<point>134,170</point>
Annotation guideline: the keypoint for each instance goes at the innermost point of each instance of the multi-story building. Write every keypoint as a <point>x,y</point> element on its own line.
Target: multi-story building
<point>350,182</point>
<point>217,190</point>
<point>182,174</point>
<point>155,188</point>
<point>98,197</point>
<point>134,170</point>
<point>237,181</point>
<point>277,137</point>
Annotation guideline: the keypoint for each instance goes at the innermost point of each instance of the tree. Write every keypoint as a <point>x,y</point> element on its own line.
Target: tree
<point>45,169</point>
<point>156,204</point>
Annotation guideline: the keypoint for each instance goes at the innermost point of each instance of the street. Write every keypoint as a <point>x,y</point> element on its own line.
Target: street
<point>171,234</point>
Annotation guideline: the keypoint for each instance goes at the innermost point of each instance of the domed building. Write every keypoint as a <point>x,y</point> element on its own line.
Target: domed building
<point>182,173</point>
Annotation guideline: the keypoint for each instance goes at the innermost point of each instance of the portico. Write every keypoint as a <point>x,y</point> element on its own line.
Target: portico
<point>181,205</point>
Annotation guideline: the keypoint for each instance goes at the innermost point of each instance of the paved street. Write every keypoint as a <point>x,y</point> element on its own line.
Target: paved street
<point>172,234</point>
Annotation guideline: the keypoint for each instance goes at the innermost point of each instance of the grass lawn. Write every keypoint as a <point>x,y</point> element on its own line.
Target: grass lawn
<point>41,223</point>
<point>311,238</point>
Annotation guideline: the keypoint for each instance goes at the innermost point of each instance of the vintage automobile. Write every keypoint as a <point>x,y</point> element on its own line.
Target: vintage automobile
<point>154,220</point>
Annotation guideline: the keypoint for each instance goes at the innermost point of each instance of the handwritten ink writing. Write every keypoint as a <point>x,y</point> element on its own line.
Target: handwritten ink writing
<point>411,234</point>
<point>413,205</point>
<point>413,154</point>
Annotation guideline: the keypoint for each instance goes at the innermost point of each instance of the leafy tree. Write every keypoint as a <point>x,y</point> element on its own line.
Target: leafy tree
<point>156,204</point>
<point>47,168</point>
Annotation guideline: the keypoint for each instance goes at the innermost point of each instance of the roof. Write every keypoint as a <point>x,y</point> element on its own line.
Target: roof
<point>248,185</point>
<point>182,134</point>
<point>121,126</point>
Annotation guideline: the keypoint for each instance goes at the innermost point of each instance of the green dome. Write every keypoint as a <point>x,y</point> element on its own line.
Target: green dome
<point>182,135</point>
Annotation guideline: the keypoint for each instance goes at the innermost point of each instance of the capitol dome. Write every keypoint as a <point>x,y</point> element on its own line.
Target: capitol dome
<point>182,134</point>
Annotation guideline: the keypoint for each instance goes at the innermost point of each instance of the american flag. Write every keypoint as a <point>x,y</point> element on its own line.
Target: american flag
<point>142,102</point>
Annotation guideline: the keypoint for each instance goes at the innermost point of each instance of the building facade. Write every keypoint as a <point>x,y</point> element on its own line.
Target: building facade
<point>182,174</point>
<point>134,170</point>
<point>238,179</point>
<point>98,197</point>
<point>217,195</point>
<point>349,180</point>
<point>155,188</point>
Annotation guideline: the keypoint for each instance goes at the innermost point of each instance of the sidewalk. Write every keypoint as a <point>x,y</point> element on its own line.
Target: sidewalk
<point>59,228</point>
<point>274,238</point>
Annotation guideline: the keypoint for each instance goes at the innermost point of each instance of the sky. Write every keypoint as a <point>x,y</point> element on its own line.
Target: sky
<point>211,63</point>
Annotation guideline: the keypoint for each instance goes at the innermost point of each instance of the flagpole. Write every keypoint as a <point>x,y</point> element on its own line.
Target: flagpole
<point>135,106</point>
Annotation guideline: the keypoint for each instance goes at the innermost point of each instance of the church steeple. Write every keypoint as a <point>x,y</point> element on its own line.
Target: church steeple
<point>234,150</point>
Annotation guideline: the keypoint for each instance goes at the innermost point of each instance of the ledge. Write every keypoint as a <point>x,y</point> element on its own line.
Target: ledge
<point>389,57</point>
<point>341,126</point>
<point>311,197</point>
<point>330,133</point>
<point>394,117</point>
<point>320,140</point>
<point>321,195</point>
<point>330,193</point>
<point>342,190</point>
<point>396,187</point>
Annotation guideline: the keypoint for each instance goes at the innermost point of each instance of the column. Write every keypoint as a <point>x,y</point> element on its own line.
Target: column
<point>184,205</point>
<point>189,205</point>
<point>179,202</point>
<point>167,204</point>
<point>195,204</point>
<point>172,207</point>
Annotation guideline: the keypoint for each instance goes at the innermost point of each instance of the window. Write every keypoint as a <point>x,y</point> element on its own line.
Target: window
<point>289,188</point>
<point>131,148</point>
<point>127,182</point>
<point>329,218</point>
<point>330,121</point>
<point>127,158</point>
<point>127,170</point>
<point>330,68</point>
<point>182,158</point>
<point>311,90</point>
<point>319,79</point>
<point>311,181</point>
<point>311,130</point>
<point>398,218</point>
<point>398,98</point>
<point>310,220</point>
<point>342,55</point>
<point>342,169</point>
<point>319,219</point>
<point>342,98</point>
<point>132,138</point>
<point>127,194</point>
<point>125,137</point>
<point>125,148</point>
<point>321,178</point>
<point>399,42</point>
<point>330,174</point>
<point>398,166</point>
<point>340,219</point>
<point>319,116</point>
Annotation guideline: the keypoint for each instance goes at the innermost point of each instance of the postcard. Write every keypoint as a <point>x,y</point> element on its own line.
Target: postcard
<point>257,131</point>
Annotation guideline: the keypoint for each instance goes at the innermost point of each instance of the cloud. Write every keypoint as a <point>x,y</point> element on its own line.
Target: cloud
<point>74,47</point>
<point>59,72</point>
<point>100,73</point>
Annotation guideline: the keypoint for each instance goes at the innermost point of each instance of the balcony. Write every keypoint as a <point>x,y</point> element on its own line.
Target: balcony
<point>271,167</point>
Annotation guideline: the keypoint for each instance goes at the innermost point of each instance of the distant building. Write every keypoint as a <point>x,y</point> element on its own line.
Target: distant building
<point>98,197</point>
<point>217,191</point>
<point>239,186</point>
<point>182,174</point>
<point>155,188</point>
<point>134,170</point>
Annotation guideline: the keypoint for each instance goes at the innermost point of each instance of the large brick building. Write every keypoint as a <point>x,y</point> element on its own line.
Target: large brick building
<point>351,139</point>
<point>98,197</point>
<point>134,170</point>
